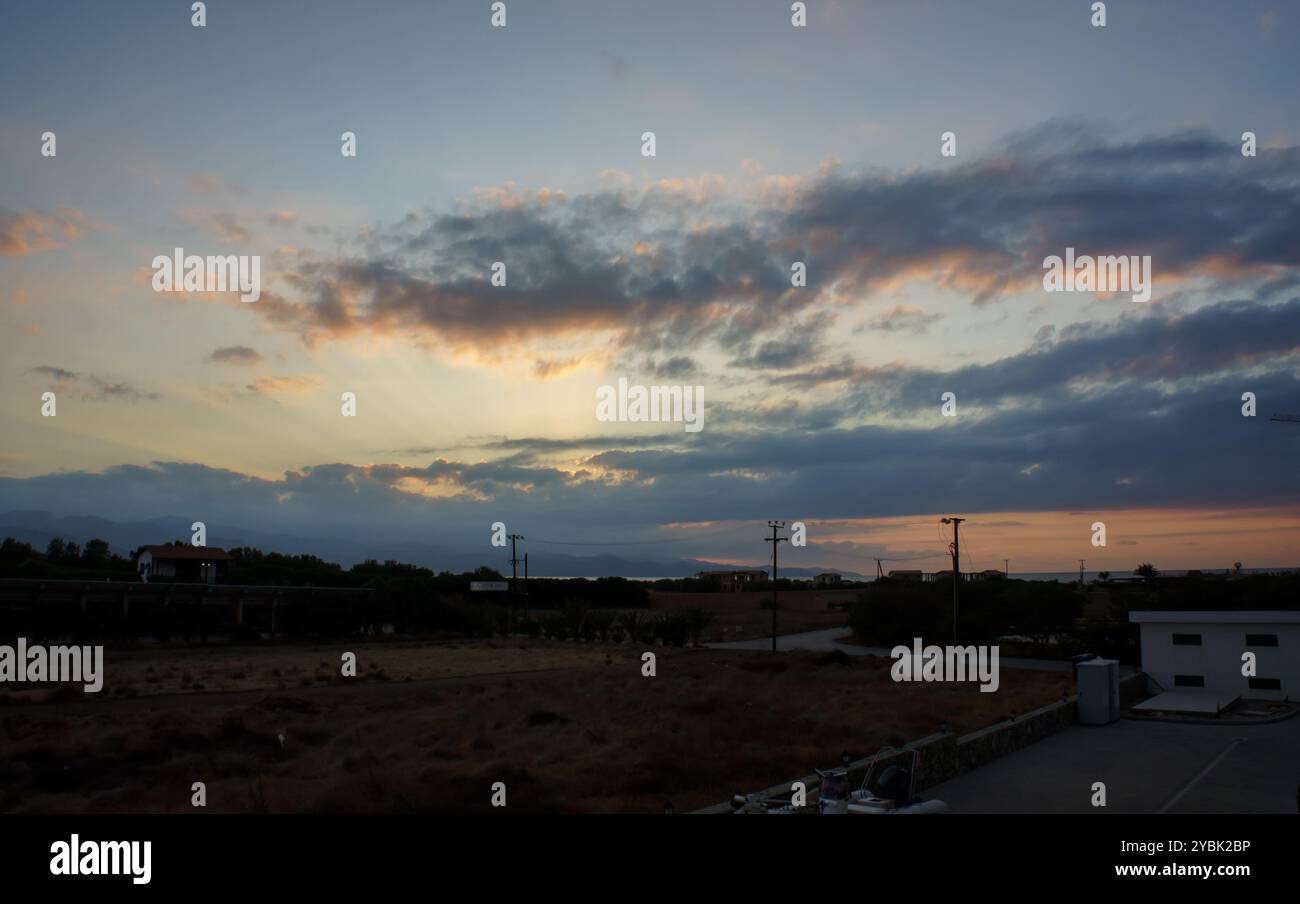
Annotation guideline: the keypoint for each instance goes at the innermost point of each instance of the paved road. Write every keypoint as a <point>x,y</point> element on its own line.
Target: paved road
<point>825,639</point>
<point>1148,767</point>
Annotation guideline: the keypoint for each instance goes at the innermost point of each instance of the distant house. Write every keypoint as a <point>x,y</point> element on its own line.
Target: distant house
<point>733,581</point>
<point>988,574</point>
<point>827,579</point>
<point>182,564</point>
<point>906,574</point>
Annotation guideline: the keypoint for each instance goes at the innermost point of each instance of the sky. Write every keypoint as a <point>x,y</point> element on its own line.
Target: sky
<point>476,403</point>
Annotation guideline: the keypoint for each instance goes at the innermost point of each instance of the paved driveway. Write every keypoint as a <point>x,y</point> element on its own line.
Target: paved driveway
<point>825,640</point>
<point>1148,767</point>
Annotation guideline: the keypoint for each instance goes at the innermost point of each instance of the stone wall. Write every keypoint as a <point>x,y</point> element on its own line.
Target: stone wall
<point>945,755</point>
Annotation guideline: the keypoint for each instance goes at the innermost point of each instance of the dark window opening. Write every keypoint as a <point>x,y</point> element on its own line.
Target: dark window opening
<point>1265,684</point>
<point>1187,640</point>
<point>1261,640</point>
<point>1189,681</point>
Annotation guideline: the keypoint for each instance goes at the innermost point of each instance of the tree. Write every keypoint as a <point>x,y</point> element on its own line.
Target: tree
<point>1146,570</point>
<point>1104,575</point>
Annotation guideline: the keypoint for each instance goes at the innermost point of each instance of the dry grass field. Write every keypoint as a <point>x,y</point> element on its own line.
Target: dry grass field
<point>567,727</point>
<point>741,616</point>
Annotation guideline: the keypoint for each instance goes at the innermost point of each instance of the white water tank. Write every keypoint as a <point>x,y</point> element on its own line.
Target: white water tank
<point>1098,691</point>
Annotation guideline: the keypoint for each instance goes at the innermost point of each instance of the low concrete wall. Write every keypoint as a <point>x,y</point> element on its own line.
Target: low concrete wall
<point>1133,689</point>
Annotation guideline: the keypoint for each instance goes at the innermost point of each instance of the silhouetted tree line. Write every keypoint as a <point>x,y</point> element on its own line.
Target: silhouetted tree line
<point>1050,614</point>
<point>64,559</point>
<point>1210,591</point>
<point>408,599</point>
<point>890,612</point>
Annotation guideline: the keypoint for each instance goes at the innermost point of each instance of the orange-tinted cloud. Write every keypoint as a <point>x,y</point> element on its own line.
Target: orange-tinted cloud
<point>27,232</point>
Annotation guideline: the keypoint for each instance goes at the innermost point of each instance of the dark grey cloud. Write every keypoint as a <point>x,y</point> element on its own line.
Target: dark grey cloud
<point>56,373</point>
<point>665,269</point>
<point>236,354</point>
<point>92,386</point>
<point>1136,445</point>
<point>903,319</point>
<point>676,367</point>
<point>1144,347</point>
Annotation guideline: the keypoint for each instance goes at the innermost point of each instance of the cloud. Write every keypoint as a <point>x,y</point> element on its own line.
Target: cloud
<point>689,261</point>
<point>798,346</point>
<point>109,389</point>
<point>545,370</point>
<point>236,354</point>
<point>27,232</point>
<point>221,224</point>
<point>59,374</point>
<point>271,386</point>
<point>1144,348</point>
<point>93,386</point>
<point>862,472</point>
<point>903,318</point>
<point>208,185</point>
<point>676,367</point>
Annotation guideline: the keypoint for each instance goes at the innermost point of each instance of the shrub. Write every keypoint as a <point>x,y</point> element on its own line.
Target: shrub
<point>672,629</point>
<point>600,621</point>
<point>634,622</point>
<point>696,620</point>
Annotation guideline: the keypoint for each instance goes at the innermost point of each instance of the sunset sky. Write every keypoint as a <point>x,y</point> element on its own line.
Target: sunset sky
<point>775,144</point>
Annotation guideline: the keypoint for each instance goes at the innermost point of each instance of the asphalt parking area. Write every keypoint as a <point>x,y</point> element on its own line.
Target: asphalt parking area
<point>1147,767</point>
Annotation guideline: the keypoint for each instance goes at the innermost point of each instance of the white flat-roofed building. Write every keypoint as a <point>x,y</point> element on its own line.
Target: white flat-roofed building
<point>1186,651</point>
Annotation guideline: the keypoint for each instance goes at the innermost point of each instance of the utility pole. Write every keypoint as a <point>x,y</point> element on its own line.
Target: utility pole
<point>1081,572</point>
<point>1006,568</point>
<point>512,601</point>
<point>525,582</point>
<point>775,541</point>
<point>514,561</point>
<point>955,548</point>
<point>880,572</point>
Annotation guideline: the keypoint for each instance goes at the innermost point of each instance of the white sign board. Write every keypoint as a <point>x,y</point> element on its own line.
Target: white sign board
<point>499,586</point>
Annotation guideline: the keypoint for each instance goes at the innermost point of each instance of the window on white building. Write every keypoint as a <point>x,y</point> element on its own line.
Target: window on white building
<point>1261,640</point>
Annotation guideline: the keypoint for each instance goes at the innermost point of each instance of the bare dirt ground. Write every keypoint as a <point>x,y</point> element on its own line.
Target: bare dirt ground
<point>586,733</point>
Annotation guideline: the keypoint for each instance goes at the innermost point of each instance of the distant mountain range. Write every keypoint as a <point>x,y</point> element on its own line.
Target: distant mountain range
<point>38,528</point>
